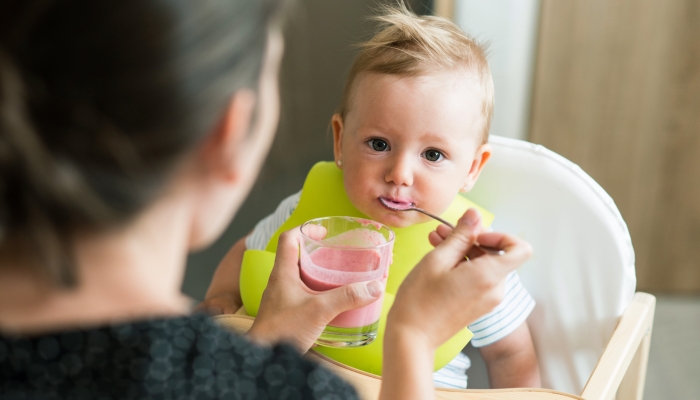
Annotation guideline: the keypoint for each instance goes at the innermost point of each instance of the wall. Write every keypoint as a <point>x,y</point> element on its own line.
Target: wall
<point>617,91</point>
<point>510,28</point>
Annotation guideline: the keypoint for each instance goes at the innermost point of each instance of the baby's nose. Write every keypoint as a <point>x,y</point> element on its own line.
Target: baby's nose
<point>400,173</point>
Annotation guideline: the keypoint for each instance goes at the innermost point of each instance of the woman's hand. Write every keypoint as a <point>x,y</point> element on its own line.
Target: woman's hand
<point>291,312</point>
<point>443,294</point>
<point>446,292</point>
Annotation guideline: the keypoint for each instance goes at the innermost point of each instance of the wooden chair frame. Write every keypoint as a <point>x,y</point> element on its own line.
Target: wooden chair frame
<point>620,373</point>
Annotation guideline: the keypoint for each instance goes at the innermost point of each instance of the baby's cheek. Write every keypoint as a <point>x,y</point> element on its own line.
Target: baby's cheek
<point>357,193</point>
<point>442,200</point>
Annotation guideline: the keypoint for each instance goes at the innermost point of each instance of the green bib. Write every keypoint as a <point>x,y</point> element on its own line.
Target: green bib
<point>323,195</point>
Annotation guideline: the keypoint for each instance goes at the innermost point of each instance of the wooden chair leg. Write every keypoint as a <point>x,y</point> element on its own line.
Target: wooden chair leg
<point>624,361</point>
<point>632,385</point>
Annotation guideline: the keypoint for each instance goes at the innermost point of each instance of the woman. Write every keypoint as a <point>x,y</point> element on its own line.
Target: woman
<point>130,133</point>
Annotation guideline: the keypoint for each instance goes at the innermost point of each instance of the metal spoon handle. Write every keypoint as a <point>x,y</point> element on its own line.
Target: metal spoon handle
<point>488,250</point>
<point>433,217</point>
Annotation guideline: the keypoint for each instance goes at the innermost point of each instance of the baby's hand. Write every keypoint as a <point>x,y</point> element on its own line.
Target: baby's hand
<point>224,303</point>
<point>223,295</point>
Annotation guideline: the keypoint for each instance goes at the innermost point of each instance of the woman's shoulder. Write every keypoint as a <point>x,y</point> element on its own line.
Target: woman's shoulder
<point>172,358</point>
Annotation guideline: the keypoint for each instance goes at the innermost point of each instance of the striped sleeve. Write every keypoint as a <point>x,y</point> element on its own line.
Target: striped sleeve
<point>263,231</point>
<point>454,374</point>
<point>506,317</point>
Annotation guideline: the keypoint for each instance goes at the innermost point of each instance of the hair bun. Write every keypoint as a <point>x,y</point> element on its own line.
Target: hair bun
<point>30,205</point>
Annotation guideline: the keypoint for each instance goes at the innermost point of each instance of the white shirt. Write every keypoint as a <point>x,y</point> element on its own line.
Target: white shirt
<point>490,328</point>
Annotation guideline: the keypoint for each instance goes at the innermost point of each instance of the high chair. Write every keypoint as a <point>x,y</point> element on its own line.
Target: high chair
<point>590,329</point>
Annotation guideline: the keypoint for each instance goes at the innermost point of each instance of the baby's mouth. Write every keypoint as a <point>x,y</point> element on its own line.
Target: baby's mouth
<point>396,204</point>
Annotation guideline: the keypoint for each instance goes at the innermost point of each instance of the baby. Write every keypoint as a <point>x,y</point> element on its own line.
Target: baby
<point>412,128</point>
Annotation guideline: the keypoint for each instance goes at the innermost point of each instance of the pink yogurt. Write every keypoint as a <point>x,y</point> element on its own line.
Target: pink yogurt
<point>327,268</point>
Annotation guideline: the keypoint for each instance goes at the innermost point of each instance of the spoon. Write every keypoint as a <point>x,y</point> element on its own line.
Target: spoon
<point>411,207</point>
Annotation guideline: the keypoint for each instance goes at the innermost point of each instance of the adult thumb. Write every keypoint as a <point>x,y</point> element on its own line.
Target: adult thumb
<point>455,247</point>
<point>350,297</point>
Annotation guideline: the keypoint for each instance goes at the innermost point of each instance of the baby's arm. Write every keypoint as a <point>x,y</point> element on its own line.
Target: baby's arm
<point>512,362</point>
<point>224,294</point>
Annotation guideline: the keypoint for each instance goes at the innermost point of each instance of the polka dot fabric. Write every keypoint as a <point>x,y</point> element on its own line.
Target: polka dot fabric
<point>178,358</point>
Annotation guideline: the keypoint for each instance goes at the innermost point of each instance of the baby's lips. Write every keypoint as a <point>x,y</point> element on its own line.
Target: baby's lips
<point>400,204</point>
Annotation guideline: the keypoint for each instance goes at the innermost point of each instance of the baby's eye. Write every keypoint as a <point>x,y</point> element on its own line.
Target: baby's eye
<point>378,144</point>
<point>433,155</point>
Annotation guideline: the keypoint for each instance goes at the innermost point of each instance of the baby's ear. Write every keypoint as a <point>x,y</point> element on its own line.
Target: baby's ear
<point>481,157</point>
<point>467,187</point>
<point>338,128</point>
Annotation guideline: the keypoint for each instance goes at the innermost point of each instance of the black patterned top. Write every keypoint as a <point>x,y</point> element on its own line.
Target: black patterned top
<point>174,358</point>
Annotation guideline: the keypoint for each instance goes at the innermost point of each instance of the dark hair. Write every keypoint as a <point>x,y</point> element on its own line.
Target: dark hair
<point>99,100</point>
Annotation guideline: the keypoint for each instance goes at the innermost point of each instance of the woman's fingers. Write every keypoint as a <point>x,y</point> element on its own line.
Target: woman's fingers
<point>516,249</point>
<point>443,230</point>
<point>456,245</point>
<point>439,234</point>
<point>287,258</point>
<point>349,297</point>
<point>445,292</point>
<point>493,269</point>
<point>435,239</point>
<point>476,252</point>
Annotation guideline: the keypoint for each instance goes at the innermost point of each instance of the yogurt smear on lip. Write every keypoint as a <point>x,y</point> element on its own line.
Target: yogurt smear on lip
<point>401,205</point>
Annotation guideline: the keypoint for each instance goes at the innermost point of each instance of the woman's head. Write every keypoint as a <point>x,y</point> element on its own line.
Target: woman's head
<point>100,102</point>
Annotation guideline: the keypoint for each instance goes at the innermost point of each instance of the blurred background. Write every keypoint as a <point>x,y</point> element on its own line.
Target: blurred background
<point>613,86</point>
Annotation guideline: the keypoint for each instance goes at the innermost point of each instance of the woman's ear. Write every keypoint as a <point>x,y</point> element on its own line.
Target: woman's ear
<point>483,153</point>
<point>221,151</point>
<point>338,127</point>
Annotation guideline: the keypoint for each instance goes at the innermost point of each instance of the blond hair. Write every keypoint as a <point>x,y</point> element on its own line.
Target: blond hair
<point>409,45</point>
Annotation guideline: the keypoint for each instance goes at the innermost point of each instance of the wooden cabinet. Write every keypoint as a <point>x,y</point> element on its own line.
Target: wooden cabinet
<point>617,91</point>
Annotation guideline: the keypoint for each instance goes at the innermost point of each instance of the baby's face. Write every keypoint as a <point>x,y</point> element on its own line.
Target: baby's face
<point>410,140</point>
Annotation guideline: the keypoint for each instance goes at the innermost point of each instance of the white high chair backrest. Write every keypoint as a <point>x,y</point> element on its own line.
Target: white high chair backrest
<point>582,270</point>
